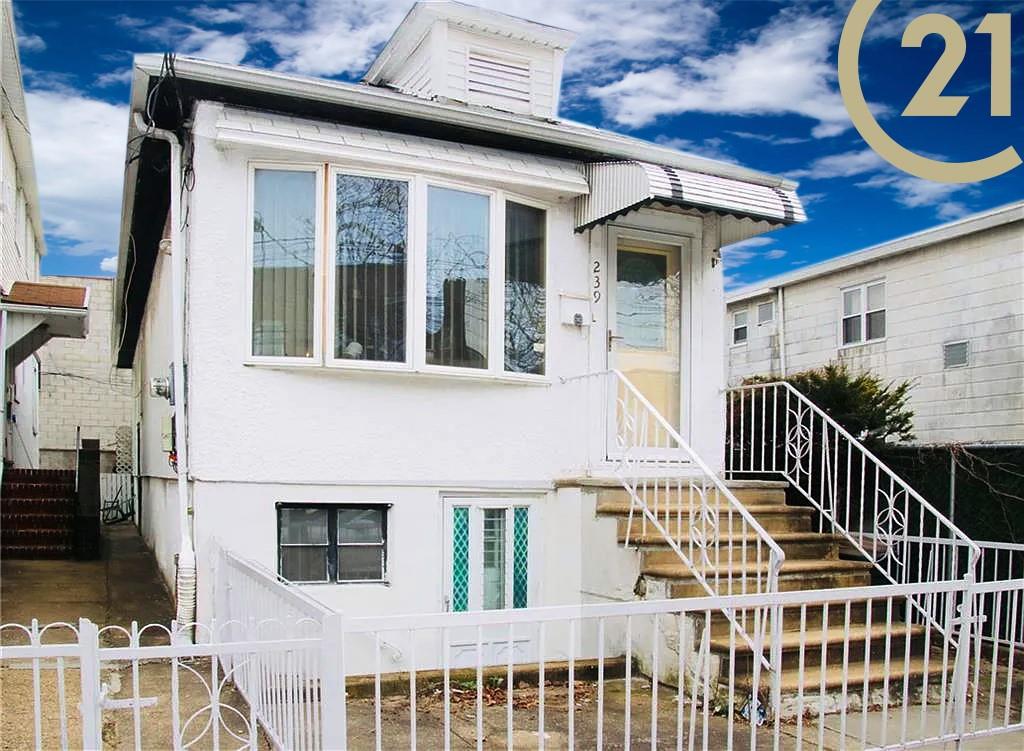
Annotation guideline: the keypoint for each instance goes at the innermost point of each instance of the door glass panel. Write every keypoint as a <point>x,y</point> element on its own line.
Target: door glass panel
<point>460,558</point>
<point>647,322</point>
<point>494,559</point>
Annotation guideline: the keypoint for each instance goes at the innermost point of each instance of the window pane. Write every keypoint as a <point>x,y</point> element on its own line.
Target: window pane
<point>739,318</point>
<point>851,302</point>
<point>876,324</point>
<point>851,330</point>
<point>739,334</point>
<point>524,289</point>
<point>304,564</point>
<point>303,526</point>
<point>283,240</point>
<point>876,296</point>
<point>458,246</point>
<point>360,525</point>
<point>361,562</point>
<point>494,559</point>
<point>643,299</point>
<point>370,263</point>
<point>765,312</point>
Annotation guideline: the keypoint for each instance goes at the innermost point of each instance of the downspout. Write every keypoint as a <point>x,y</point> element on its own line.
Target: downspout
<point>782,332</point>
<point>185,577</point>
<point>3,391</point>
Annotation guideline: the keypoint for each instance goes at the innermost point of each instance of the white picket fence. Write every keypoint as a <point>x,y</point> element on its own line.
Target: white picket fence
<point>277,668</point>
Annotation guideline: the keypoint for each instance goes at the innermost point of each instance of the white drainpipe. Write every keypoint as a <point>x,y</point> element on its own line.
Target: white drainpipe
<point>185,585</point>
<point>782,332</point>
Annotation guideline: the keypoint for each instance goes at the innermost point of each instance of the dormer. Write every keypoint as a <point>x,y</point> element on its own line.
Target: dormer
<point>453,52</point>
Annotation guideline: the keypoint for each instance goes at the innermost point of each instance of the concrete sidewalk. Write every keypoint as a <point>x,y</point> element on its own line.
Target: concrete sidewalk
<point>123,586</point>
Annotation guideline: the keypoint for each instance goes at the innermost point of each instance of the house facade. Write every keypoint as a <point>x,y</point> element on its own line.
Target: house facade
<point>363,335</point>
<point>943,308</point>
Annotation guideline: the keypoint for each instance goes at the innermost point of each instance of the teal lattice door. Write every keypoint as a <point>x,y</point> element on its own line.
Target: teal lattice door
<point>488,557</point>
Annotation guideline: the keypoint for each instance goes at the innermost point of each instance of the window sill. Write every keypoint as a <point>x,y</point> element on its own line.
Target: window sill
<point>482,376</point>
<point>868,343</point>
<point>373,582</point>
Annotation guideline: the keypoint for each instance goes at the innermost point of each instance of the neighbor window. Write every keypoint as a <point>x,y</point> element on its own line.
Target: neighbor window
<point>458,254</point>
<point>370,240</point>
<point>283,262</point>
<point>525,288</point>
<point>863,313</point>
<point>739,327</point>
<point>765,312</point>
<point>331,543</point>
<point>955,354</point>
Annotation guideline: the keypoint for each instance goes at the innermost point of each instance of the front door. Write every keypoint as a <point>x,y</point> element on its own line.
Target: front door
<point>488,568</point>
<point>645,321</point>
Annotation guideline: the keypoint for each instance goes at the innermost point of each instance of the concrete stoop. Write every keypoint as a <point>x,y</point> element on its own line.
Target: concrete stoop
<point>843,660</point>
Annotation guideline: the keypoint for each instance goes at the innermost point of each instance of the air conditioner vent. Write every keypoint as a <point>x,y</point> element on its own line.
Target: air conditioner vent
<point>506,78</point>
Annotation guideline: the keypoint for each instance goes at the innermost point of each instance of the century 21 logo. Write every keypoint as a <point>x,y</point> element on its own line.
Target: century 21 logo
<point>929,99</point>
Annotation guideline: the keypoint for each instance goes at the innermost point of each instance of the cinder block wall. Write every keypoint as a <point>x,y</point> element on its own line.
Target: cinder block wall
<point>80,386</point>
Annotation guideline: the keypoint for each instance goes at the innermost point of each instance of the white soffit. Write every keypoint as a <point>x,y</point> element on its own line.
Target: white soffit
<point>619,187</point>
<point>239,127</point>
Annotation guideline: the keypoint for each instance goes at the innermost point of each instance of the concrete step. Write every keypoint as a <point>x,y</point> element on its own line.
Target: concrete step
<point>858,642</point>
<point>795,545</point>
<point>63,476</point>
<point>852,676</point>
<point>674,496</point>
<point>43,505</point>
<point>813,618</point>
<point>38,490</point>
<point>794,576</point>
<point>34,520</point>
<point>773,518</point>
<point>37,552</point>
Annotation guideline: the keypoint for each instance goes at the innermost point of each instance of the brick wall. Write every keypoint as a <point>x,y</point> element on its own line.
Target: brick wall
<point>79,385</point>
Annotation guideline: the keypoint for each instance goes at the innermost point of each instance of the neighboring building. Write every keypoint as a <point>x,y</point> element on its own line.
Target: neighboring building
<point>943,308</point>
<point>387,286</point>
<point>81,388</point>
<point>31,313</point>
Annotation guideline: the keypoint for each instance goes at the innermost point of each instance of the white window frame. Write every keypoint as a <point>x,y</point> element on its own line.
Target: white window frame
<point>967,357</point>
<point>771,316</point>
<point>331,228</point>
<point>863,314</point>
<point>744,325</point>
<point>318,261</point>
<point>416,260</point>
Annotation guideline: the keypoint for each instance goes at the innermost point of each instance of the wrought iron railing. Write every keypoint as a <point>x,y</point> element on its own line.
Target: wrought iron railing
<point>678,500</point>
<point>775,431</point>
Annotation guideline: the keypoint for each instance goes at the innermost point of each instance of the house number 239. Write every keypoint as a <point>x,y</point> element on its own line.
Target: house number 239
<point>597,281</point>
<point>929,101</point>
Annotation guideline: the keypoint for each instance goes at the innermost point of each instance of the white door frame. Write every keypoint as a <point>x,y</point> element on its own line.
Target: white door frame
<point>688,292</point>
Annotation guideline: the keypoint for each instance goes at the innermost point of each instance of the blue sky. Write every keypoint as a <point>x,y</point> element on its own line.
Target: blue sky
<point>748,81</point>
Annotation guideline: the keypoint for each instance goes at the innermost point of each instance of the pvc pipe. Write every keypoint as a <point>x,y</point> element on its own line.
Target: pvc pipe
<point>185,576</point>
<point>782,332</point>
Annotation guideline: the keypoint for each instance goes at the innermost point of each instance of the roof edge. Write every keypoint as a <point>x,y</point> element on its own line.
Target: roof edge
<point>985,220</point>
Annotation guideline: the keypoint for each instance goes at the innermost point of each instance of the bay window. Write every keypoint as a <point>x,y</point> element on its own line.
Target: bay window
<point>405,274</point>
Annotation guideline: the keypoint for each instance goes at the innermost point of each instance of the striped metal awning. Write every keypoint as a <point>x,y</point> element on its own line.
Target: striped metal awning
<point>620,187</point>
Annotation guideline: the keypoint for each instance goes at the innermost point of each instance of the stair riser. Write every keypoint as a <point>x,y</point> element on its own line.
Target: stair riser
<point>36,521</point>
<point>812,620</point>
<point>38,552</point>
<point>37,506</point>
<point>15,537</point>
<point>781,522</point>
<point>786,584</point>
<point>834,655</point>
<point>673,498</point>
<point>794,551</point>
<point>38,490</point>
<point>39,475</point>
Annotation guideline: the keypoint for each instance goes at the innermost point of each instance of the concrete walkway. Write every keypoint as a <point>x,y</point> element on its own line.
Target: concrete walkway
<point>124,586</point>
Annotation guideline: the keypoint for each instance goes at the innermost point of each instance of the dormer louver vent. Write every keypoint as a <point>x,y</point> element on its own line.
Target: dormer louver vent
<point>452,52</point>
<point>498,80</point>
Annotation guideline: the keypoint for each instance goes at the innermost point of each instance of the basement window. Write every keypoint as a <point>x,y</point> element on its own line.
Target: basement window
<point>332,543</point>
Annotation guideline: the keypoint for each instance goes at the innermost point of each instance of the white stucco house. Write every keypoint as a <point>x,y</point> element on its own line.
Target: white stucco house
<point>357,315</point>
<point>943,308</point>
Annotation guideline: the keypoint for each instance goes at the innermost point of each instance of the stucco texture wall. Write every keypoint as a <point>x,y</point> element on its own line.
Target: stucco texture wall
<point>79,385</point>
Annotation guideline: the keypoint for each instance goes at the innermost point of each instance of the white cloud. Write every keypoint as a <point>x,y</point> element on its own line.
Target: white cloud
<point>738,254</point>
<point>787,69</point>
<point>711,148</point>
<point>775,254</point>
<point>212,45</point>
<point>114,77</point>
<point>109,264</point>
<point>769,138</point>
<point>79,146</point>
<point>845,164</point>
<point>31,43</point>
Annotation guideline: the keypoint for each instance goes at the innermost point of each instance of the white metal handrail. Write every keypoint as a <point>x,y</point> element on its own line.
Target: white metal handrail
<point>773,429</point>
<point>687,504</point>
